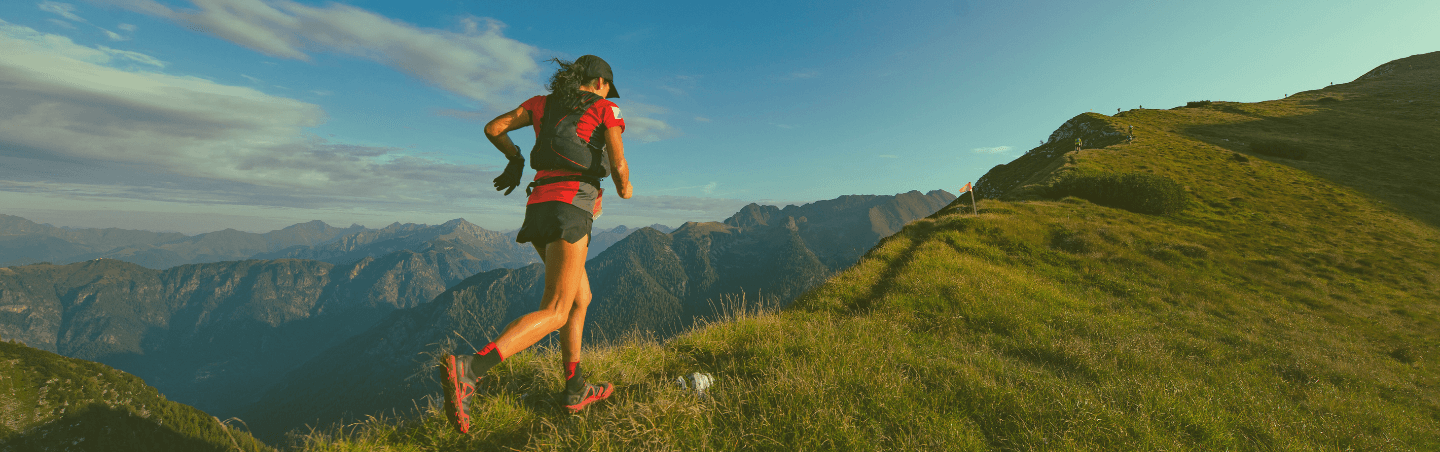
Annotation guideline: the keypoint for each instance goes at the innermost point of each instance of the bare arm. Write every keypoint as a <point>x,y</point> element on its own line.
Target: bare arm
<point>618,169</point>
<point>497,129</point>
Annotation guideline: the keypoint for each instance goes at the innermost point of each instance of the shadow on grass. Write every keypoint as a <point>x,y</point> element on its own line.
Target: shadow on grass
<point>99,427</point>
<point>1364,144</point>
<point>919,236</point>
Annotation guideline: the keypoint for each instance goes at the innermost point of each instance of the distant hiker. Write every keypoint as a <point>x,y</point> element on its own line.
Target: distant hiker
<point>577,143</point>
<point>1077,144</point>
<point>1130,134</point>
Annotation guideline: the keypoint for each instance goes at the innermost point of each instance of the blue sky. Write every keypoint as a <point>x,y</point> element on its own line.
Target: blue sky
<point>195,116</point>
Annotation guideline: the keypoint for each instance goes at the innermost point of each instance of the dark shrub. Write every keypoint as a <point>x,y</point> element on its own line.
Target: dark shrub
<point>1328,100</point>
<point>1282,149</point>
<point>1137,192</point>
<point>1197,103</point>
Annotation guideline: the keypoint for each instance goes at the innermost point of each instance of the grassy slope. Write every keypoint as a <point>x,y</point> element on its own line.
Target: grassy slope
<point>51,402</point>
<point>1293,306</point>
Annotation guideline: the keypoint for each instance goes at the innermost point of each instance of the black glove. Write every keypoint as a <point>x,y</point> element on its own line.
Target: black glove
<point>510,179</point>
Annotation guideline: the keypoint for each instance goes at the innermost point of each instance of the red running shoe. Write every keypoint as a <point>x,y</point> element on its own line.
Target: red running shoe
<point>459,386</point>
<point>592,393</point>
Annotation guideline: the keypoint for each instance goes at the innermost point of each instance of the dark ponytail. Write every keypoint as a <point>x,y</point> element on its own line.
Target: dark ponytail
<point>567,80</point>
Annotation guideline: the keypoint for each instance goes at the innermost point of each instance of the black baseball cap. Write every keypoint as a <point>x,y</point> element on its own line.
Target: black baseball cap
<point>592,66</point>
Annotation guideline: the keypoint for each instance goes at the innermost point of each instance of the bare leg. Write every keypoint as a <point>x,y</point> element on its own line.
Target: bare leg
<point>575,325</point>
<point>574,328</point>
<point>564,278</point>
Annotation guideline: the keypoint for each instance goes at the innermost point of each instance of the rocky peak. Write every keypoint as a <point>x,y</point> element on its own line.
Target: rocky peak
<point>1089,127</point>
<point>1425,62</point>
<point>753,215</point>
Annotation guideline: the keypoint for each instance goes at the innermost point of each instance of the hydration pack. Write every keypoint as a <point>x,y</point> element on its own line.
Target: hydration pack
<point>558,147</point>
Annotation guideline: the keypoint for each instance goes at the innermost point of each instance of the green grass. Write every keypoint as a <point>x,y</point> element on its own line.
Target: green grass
<point>1292,305</point>
<point>51,402</point>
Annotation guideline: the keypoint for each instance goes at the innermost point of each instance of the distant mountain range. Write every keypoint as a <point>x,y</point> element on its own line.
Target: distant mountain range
<point>25,242</point>
<point>649,282</point>
<point>222,336</point>
<point>213,335</point>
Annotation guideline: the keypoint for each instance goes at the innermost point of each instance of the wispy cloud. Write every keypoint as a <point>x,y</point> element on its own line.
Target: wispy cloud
<point>992,150</point>
<point>77,122</point>
<point>477,62</point>
<point>673,210</point>
<point>113,35</point>
<point>701,119</point>
<point>679,85</point>
<point>65,10</point>
<point>801,75</point>
<point>469,115</point>
<point>705,188</point>
<point>252,79</point>
<point>126,27</point>
<point>641,123</point>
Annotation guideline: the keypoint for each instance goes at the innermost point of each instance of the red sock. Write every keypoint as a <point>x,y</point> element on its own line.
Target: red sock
<point>490,348</point>
<point>574,378</point>
<point>486,359</point>
<point>570,369</point>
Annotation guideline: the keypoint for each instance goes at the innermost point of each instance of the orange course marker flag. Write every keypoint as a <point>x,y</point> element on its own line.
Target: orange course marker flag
<point>967,188</point>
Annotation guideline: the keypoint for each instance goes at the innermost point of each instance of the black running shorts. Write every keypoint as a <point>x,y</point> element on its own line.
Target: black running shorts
<point>550,220</point>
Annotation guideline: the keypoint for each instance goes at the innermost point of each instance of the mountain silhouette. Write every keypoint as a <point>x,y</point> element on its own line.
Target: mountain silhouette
<point>25,242</point>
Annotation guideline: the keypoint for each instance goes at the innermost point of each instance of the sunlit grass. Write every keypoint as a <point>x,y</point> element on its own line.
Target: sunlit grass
<point>1285,308</point>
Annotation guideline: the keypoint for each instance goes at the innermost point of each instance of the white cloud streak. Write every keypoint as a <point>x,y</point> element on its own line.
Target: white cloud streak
<point>992,150</point>
<point>801,75</point>
<point>478,62</point>
<point>76,122</point>
<point>641,124</point>
<point>65,10</point>
<point>113,35</point>
<point>101,125</point>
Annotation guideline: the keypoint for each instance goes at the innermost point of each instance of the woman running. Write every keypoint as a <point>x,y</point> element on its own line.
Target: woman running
<point>577,143</point>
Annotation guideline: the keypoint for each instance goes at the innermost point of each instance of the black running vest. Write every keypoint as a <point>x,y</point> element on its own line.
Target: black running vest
<point>558,147</point>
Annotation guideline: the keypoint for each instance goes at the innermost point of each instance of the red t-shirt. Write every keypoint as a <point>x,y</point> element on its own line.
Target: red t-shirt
<point>602,115</point>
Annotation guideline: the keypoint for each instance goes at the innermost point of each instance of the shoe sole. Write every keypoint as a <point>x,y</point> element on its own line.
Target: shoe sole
<point>609,388</point>
<point>457,415</point>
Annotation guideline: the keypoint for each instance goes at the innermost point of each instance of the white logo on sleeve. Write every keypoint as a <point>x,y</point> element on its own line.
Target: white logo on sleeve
<point>616,110</point>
